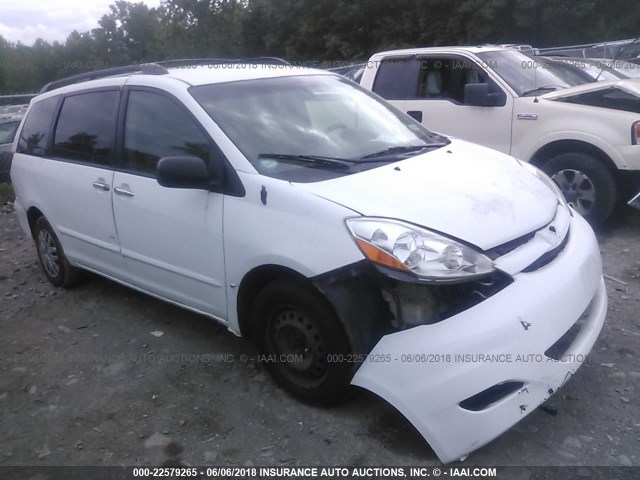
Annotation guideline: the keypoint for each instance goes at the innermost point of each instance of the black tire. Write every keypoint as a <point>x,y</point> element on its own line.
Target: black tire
<point>51,255</point>
<point>578,174</point>
<point>293,319</point>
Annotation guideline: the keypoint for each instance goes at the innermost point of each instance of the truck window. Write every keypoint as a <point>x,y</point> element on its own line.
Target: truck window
<point>397,79</point>
<point>445,78</point>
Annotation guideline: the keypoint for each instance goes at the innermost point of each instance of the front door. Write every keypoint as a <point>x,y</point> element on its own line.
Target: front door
<point>171,238</point>
<point>431,89</point>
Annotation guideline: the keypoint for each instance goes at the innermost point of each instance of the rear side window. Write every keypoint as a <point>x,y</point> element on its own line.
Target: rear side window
<point>397,79</point>
<point>156,127</point>
<point>86,127</point>
<point>35,132</point>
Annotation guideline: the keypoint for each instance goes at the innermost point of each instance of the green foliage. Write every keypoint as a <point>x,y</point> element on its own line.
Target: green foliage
<point>306,30</point>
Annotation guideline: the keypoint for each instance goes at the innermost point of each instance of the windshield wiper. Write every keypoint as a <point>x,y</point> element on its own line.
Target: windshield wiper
<point>338,163</point>
<point>548,88</point>
<point>403,149</point>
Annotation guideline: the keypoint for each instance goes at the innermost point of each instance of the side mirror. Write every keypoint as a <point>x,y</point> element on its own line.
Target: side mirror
<point>477,95</point>
<point>183,172</point>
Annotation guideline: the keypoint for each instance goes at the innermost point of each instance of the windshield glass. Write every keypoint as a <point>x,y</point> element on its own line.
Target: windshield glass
<point>319,116</point>
<point>570,72</point>
<point>601,72</point>
<point>626,69</point>
<point>630,51</point>
<point>523,73</point>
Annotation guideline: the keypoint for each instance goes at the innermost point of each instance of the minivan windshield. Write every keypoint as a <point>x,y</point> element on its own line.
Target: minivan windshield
<point>524,74</point>
<point>288,126</point>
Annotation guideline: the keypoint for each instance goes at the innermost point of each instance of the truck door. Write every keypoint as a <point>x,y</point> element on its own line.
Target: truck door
<point>431,89</point>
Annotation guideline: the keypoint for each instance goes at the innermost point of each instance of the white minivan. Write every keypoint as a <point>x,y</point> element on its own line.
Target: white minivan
<point>350,243</point>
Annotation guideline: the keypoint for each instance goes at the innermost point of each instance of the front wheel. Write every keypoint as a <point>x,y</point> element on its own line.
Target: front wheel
<point>587,184</point>
<point>303,343</point>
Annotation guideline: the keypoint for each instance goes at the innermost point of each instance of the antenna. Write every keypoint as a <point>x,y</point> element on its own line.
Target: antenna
<point>535,80</point>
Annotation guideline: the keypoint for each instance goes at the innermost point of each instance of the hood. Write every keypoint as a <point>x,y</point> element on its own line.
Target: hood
<point>469,192</point>
<point>632,85</point>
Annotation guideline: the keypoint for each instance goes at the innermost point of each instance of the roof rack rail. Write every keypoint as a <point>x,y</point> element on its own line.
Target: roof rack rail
<point>148,68</point>
<point>223,61</point>
<point>157,68</point>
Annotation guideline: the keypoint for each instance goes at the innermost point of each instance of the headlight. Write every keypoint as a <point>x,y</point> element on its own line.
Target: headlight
<point>546,179</point>
<point>412,249</point>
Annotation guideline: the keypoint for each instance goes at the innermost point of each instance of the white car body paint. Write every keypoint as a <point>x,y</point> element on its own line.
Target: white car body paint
<point>193,248</point>
<point>487,186</point>
<point>428,392</point>
<point>504,128</point>
<point>293,229</point>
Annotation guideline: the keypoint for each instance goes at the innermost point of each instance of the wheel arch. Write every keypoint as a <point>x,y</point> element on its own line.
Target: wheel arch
<point>251,285</point>
<point>550,150</point>
<point>350,290</point>
<point>33,214</point>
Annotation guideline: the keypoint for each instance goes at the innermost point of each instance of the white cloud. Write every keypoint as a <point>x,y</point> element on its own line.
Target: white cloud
<point>27,20</point>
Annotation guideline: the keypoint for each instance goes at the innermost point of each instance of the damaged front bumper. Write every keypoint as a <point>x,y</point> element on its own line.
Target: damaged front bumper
<point>465,380</point>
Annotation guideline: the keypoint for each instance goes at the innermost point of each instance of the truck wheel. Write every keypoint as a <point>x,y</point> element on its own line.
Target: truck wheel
<point>302,343</point>
<point>54,263</point>
<point>587,184</point>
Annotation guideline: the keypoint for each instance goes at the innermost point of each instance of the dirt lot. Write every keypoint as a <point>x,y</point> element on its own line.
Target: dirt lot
<point>84,381</point>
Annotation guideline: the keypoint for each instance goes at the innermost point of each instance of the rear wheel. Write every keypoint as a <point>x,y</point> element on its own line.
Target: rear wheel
<point>587,184</point>
<point>54,263</point>
<point>303,343</point>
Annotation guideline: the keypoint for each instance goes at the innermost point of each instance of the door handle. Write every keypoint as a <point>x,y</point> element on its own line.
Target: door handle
<point>415,114</point>
<point>122,191</point>
<point>101,186</point>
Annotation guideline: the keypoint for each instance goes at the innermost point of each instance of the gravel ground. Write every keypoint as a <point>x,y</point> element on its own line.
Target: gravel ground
<point>100,375</point>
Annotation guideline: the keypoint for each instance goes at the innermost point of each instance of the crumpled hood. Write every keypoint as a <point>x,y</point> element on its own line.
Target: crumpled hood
<point>466,191</point>
<point>632,85</point>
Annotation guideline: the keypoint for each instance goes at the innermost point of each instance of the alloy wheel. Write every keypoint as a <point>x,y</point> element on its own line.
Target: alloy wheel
<point>48,252</point>
<point>577,188</point>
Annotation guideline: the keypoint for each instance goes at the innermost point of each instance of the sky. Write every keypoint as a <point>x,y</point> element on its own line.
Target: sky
<point>51,20</point>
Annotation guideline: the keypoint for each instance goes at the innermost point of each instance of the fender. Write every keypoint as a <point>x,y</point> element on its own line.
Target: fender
<point>556,136</point>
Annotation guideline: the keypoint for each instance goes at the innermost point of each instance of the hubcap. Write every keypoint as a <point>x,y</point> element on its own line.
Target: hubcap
<point>577,188</point>
<point>48,253</point>
<point>298,346</point>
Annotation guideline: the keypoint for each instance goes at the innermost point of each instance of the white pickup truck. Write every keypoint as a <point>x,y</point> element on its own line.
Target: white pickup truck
<point>586,137</point>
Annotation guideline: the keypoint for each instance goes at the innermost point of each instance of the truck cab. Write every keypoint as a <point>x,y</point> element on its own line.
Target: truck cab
<point>584,136</point>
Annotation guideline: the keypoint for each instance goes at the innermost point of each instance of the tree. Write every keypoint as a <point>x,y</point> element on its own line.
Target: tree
<point>306,30</point>
<point>130,34</point>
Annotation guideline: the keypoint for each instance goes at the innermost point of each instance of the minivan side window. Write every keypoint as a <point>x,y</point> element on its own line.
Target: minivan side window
<point>35,132</point>
<point>157,127</point>
<point>86,127</point>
